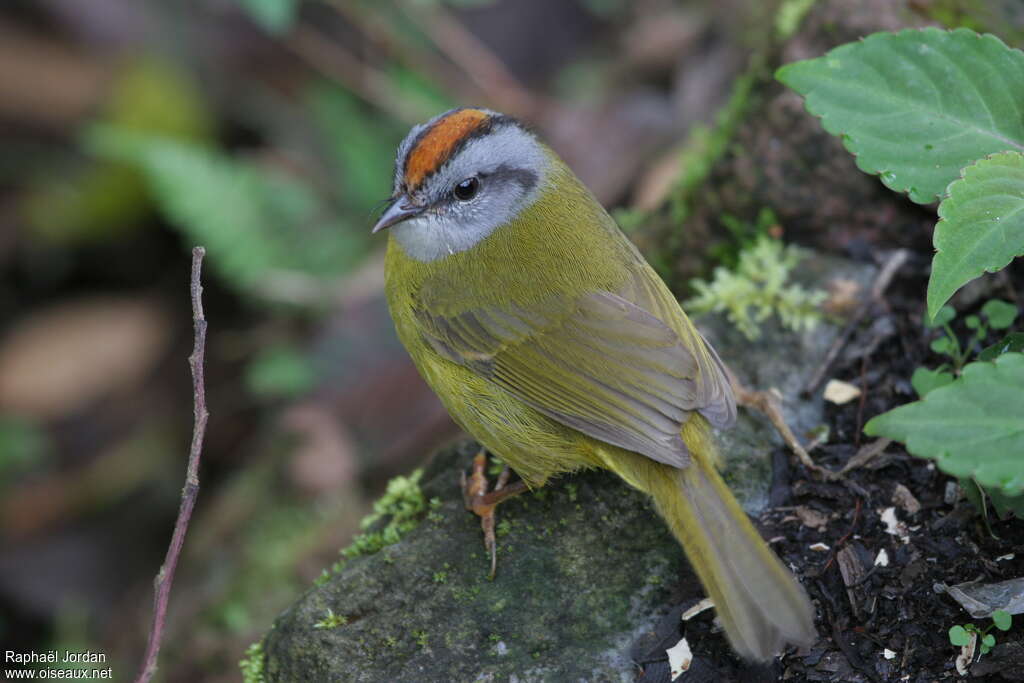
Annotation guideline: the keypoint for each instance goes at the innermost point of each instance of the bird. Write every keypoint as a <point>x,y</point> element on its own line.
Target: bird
<point>550,339</point>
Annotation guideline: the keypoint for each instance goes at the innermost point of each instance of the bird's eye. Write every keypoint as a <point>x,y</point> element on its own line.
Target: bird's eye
<point>466,189</point>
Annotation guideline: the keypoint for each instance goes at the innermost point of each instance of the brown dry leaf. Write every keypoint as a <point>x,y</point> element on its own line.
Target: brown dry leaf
<point>56,361</point>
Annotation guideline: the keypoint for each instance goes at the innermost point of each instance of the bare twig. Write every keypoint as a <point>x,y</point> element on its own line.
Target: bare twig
<point>164,578</point>
<point>885,276</point>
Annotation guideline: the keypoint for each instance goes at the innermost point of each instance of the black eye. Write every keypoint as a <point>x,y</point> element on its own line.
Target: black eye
<point>466,189</point>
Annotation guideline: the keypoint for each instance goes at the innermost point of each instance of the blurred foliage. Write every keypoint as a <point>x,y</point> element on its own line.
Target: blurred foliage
<point>23,446</point>
<point>360,147</point>
<point>102,199</point>
<point>280,372</point>
<point>275,16</point>
<point>267,232</point>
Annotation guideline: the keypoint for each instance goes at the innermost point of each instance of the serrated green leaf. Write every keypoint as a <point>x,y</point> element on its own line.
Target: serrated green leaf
<point>973,427</point>
<point>1011,342</point>
<point>958,636</point>
<point>924,380</point>
<point>981,225</point>
<point>917,106</point>
<point>1000,314</point>
<point>1002,619</point>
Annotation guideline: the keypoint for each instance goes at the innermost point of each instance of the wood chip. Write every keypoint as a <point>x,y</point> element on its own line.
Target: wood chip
<point>902,497</point>
<point>852,571</point>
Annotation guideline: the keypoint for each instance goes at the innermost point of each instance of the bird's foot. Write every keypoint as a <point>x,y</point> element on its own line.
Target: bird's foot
<point>482,503</point>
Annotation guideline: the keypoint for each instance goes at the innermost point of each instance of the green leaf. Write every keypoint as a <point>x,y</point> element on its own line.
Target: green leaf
<point>942,345</point>
<point>917,106</point>
<point>987,641</point>
<point>361,145</point>
<point>1002,619</point>
<point>1005,505</point>
<point>1000,314</point>
<point>1011,342</point>
<point>958,635</point>
<point>973,427</point>
<point>266,232</point>
<point>280,372</point>
<point>275,16</point>
<point>925,380</point>
<point>981,225</point>
<point>943,317</point>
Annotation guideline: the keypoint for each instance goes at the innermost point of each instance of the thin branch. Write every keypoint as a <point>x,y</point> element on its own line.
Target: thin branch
<point>164,578</point>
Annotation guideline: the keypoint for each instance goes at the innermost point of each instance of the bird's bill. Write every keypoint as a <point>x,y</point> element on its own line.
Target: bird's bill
<point>401,209</point>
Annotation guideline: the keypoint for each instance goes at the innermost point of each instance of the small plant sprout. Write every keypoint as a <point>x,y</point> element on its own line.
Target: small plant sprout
<point>960,635</point>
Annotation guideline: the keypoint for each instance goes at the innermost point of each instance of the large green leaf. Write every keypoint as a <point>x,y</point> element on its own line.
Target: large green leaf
<point>267,232</point>
<point>973,427</point>
<point>981,225</point>
<point>917,106</point>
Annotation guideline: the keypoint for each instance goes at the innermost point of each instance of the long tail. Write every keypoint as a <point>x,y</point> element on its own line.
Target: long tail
<point>759,602</point>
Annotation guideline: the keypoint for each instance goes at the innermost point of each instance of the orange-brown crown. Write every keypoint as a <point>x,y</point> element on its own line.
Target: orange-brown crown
<point>436,144</point>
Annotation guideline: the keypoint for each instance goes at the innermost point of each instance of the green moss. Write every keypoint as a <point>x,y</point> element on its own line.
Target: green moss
<point>757,289</point>
<point>251,665</point>
<point>402,504</point>
<point>421,638</point>
<point>331,620</point>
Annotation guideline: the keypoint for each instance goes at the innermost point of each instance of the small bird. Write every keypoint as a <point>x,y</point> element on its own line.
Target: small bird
<point>552,341</point>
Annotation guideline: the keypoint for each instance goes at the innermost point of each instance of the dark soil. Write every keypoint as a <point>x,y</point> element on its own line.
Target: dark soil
<point>873,607</point>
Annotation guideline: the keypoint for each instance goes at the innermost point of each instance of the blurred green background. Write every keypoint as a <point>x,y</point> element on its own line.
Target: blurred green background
<point>131,130</point>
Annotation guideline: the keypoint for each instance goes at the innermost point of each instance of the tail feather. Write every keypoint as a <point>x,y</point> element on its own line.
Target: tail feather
<point>758,601</point>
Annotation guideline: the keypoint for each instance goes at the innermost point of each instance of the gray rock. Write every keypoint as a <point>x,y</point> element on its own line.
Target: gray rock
<point>585,568</point>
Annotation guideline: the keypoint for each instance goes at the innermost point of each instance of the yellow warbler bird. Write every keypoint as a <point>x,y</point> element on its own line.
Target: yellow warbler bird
<point>551,340</point>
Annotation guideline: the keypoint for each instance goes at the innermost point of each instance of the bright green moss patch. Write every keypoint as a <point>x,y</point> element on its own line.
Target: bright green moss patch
<point>402,505</point>
<point>757,288</point>
<point>251,665</point>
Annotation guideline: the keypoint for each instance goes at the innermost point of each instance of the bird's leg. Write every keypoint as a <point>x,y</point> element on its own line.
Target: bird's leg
<point>482,503</point>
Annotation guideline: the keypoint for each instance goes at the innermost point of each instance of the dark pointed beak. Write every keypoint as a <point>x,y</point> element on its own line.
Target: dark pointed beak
<point>401,209</point>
